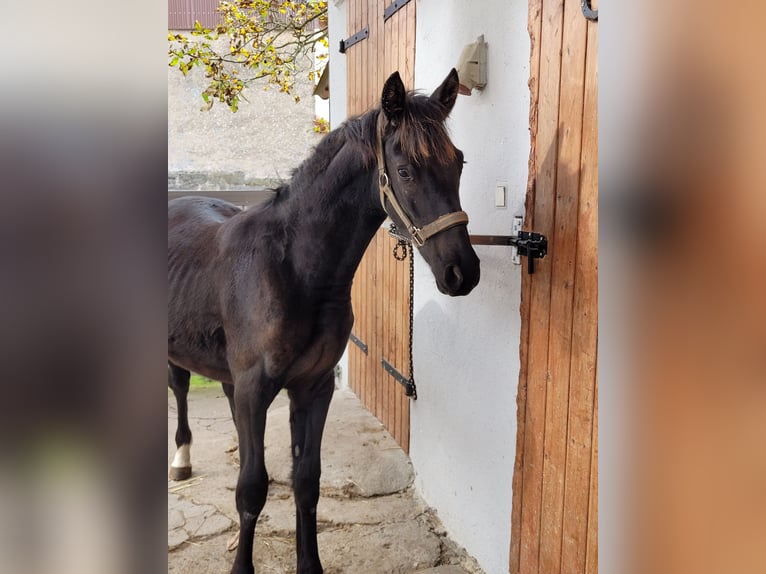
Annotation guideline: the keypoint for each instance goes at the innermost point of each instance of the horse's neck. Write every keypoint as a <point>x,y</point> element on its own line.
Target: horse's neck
<point>333,215</point>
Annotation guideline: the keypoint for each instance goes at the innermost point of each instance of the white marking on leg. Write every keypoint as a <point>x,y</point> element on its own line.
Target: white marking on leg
<point>182,459</point>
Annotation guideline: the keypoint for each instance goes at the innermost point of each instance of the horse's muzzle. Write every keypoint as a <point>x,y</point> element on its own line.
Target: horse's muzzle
<point>459,279</point>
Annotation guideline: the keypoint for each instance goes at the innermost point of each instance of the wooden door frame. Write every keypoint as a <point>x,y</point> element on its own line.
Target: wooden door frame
<point>569,387</point>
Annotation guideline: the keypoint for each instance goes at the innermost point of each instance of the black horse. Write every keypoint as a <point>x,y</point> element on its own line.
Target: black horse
<point>261,299</point>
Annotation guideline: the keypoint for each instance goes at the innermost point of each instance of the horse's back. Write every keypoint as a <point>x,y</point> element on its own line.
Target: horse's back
<point>199,211</point>
<point>193,224</point>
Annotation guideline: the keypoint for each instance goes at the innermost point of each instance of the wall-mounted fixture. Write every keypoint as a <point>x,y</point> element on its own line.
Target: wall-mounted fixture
<point>322,89</point>
<point>472,66</point>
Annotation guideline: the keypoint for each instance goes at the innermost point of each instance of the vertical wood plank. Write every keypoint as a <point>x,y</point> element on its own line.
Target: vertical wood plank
<point>579,478</point>
<point>386,50</point>
<point>383,46</point>
<point>365,50</point>
<point>364,269</point>
<point>591,553</point>
<point>534,23</point>
<point>350,63</point>
<point>387,330</point>
<point>359,71</point>
<point>539,325</point>
<point>409,53</point>
<point>563,253</point>
<point>356,288</point>
<point>369,309</point>
<point>355,354</point>
<point>394,335</point>
<point>396,359</point>
<point>381,329</point>
<point>402,65</point>
<point>380,326</point>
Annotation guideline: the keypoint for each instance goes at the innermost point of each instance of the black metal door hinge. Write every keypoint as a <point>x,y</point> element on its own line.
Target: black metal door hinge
<point>358,342</point>
<point>363,34</point>
<point>393,8</point>
<point>409,386</point>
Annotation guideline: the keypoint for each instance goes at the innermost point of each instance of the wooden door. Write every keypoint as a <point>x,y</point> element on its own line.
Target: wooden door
<point>381,293</point>
<point>554,519</point>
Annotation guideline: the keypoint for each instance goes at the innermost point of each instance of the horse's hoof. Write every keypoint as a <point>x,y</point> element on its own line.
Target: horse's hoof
<point>180,472</point>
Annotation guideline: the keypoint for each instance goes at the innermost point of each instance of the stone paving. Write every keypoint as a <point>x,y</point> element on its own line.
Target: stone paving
<point>370,519</point>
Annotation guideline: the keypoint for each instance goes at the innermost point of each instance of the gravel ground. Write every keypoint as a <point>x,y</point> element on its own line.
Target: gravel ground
<point>370,518</point>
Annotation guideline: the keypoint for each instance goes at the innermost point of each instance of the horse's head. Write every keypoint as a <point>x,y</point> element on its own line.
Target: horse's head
<point>419,175</point>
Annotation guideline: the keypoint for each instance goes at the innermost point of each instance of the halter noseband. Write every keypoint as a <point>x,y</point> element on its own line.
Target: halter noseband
<point>419,235</point>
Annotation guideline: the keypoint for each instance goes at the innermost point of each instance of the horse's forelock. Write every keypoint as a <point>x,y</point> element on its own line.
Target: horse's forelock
<point>422,133</point>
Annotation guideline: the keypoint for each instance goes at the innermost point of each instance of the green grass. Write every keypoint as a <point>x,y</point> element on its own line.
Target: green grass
<point>200,381</point>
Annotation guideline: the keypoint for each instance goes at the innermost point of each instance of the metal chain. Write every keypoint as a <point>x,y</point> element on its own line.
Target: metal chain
<point>402,248</point>
<point>413,389</point>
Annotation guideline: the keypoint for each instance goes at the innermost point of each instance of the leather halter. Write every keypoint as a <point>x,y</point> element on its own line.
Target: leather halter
<point>419,234</point>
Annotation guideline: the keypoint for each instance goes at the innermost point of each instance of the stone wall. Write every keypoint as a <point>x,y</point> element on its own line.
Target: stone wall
<point>217,149</point>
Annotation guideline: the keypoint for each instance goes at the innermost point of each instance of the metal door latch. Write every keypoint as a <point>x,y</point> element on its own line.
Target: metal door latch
<point>527,244</point>
<point>532,246</point>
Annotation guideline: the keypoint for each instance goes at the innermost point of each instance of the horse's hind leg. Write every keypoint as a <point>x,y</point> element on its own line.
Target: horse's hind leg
<point>178,381</point>
<point>308,412</point>
<point>252,397</point>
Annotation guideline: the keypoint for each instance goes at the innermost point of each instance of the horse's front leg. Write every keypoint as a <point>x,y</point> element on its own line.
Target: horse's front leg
<point>178,381</point>
<point>308,412</point>
<point>253,393</point>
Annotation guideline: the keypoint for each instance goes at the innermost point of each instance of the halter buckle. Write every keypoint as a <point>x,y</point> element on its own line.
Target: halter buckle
<point>383,180</point>
<point>417,237</point>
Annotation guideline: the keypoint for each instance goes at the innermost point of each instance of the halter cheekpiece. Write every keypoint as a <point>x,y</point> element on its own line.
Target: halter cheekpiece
<point>419,234</point>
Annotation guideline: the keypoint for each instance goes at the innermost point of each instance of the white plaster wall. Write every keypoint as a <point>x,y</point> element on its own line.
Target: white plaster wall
<point>336,13</point>
<point>321,107</point>
<point>463,427</point>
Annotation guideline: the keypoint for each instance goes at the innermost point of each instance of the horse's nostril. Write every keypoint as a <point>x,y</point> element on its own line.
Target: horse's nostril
<point>453,277</point>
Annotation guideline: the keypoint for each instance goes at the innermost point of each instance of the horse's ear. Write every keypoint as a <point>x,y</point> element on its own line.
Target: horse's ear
<point>446,94</point>
<point>392,100</point>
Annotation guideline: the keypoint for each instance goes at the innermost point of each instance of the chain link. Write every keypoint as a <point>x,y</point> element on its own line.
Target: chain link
<point>403,248</point>
<point>400,250</point>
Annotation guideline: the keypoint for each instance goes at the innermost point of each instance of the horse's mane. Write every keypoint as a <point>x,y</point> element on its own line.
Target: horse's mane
<point>420,131</point>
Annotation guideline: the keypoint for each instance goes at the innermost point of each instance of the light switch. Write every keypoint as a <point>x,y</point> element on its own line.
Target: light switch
<point>500,196</point>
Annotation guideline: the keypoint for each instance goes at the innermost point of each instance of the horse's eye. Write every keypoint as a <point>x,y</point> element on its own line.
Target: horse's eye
<point>403,173</point>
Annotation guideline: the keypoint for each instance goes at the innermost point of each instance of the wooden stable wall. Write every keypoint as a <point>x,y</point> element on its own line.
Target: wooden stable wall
<point>182,14</point>
<point>554,519</point>
<point>381,286</point>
